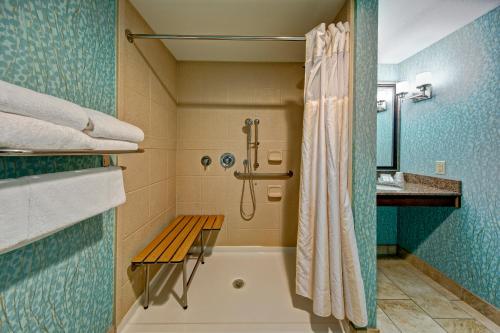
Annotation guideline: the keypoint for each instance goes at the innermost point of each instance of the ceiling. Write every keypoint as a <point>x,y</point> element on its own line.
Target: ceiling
<point>409,26</point>
<point>237,17</point>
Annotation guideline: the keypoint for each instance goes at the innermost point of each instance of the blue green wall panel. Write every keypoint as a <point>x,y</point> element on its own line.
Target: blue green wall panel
<point>387,225</point>
<point>364,134</point>
<point>388,72</point>
<point>461,126</point>
<point>65,282</point>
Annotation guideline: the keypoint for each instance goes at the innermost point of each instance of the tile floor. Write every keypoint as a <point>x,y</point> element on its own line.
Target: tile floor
<point>411,302</point>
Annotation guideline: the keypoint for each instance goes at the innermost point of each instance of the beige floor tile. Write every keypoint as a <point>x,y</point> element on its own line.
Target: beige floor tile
<point>462,326</point>
<point>384,324</point>
<point>386,289</point>
<point>478,316</point>
<point>408,317</point>
<point>439,288</point>
<point>435,304</point>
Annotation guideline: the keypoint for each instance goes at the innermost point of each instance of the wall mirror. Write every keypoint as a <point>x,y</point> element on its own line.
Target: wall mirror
<point>387,127</point>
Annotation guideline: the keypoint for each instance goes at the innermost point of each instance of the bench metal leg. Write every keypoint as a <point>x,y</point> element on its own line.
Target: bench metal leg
<point>184,283</point>
<point>202,248</point>
<point>146,289</point>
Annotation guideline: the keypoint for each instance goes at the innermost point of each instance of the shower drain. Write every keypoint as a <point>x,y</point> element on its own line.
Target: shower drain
<point>238,283</point>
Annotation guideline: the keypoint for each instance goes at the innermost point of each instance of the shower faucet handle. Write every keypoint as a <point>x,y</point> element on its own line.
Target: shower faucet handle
<point>206,161</point>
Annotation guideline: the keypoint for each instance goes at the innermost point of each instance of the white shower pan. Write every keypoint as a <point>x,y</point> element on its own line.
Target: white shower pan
<point>265,304</point>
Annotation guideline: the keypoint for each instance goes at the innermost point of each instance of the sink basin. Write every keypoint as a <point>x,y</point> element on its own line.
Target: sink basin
<point>388,188</point>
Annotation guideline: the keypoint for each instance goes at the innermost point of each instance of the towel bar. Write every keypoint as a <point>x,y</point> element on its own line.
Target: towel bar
<point>78,152</point>
<point>245,176</point>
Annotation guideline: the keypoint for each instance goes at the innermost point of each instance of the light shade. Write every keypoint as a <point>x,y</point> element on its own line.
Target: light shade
<point>402,87</point>
<point>423,79</point>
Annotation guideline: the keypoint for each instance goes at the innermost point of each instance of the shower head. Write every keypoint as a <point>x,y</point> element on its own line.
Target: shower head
<point>248,122</point>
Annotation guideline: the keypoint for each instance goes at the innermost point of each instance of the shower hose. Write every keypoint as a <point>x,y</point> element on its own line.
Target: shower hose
<point>247,166</point>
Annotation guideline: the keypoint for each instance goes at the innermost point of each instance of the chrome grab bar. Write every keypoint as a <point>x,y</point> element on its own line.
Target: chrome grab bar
<point>256,144</point>
<point>245,176</point>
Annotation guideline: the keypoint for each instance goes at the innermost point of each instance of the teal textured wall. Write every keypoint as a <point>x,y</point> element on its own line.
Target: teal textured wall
<point>388,72</point>
<point>65,282</point>
<point>461,126</point>
<point>387,225</point>
<point>364,134</point>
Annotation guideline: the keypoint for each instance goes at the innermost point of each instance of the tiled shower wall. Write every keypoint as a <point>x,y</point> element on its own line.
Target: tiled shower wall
<point>146,90</point>
<point>214,101</point>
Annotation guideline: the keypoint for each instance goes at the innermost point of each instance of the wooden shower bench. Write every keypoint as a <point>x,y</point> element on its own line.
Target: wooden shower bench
<point>172,246</point>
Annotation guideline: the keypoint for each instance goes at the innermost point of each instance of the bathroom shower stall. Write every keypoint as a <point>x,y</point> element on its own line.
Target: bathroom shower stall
<point>226,108</point>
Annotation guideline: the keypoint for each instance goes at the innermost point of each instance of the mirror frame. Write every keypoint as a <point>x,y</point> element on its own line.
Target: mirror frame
<point>396,127</point>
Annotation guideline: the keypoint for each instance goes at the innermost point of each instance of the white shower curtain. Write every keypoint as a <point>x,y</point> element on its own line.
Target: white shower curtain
<point>328,269</point>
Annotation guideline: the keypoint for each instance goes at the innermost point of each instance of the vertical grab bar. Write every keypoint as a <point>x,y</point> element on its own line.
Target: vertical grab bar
<point>256,144</point>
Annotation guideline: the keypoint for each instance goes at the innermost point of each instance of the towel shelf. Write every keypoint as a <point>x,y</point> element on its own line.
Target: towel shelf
<point>80,152</point>
<point>245,176</point>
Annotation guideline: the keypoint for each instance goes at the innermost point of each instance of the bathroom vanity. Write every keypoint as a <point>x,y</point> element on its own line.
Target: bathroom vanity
<point>420,190</point>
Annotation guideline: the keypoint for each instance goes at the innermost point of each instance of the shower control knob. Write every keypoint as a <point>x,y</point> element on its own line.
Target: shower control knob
<point>227,160</point>
<point>206,161</point>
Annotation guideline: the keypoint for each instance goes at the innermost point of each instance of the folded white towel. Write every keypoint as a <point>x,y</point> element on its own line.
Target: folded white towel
<point>56,201</point>
<point>104,126</point>
<point>29,103</point>
<point>14,208</point>
<point>105,144</point>
<point>29,133</point>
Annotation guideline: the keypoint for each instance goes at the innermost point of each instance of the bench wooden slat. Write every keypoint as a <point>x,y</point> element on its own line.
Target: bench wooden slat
<point>178,241</point>
<point>174,242</point>
<point>167,241</point>
<point>218,222</point>
<point>189,241</point>
<point>151,246</point>
<point>210,222</point>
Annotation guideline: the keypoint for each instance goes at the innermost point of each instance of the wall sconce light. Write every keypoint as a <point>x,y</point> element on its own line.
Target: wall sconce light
<point>402,89</point>
<point>424,84</point>
<point>381,106</point>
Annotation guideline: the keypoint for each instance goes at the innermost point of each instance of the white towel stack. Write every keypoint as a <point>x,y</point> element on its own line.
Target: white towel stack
<point>34,207</point>
<point>31,120</point>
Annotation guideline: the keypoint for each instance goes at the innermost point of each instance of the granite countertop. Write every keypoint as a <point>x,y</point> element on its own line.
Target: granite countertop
<point>420,185</point>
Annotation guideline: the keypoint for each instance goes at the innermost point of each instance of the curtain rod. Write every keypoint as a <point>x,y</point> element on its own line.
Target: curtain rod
<point>131,37</point>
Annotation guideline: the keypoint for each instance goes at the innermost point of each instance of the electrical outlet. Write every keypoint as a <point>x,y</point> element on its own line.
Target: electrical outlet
<point>440,167</point>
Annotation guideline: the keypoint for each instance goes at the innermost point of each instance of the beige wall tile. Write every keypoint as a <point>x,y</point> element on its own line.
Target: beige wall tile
<point>135,212</point>
<point>171,193</point>
<point>137,76</point>
<point>188,208</point>
<point>159,120</point>
<point>158,167</point>
<point>214,101</point>
<point>171,163</point>
<point>146,98</point>
<point>136,109</point>
<point>188,189</point>
<point>158,198</point>
<point>137,173</point>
